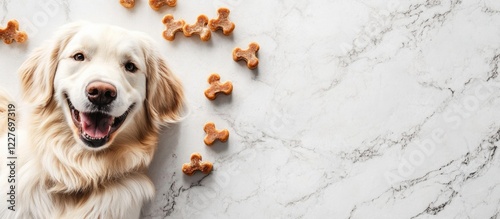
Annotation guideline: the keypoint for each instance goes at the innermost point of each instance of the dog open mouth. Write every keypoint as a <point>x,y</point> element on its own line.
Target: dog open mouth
<point>96,127</point>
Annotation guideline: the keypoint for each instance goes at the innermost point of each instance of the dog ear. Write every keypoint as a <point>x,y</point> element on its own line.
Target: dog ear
<point>165,96</point>
<point>38,71</point>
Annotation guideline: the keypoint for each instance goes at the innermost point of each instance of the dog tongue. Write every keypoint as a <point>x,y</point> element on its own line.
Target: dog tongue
<point>96,125</point>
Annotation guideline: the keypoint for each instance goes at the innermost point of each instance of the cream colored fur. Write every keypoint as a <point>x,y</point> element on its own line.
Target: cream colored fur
<point>57,175</point>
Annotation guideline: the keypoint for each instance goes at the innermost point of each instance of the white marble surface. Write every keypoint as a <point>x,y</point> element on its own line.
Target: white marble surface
<point>358,109</point>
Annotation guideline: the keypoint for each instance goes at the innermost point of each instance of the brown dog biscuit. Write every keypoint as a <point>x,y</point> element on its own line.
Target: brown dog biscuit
<point>157,4</point>
<point>11,33</point>
<point>249,55</point>
<point>127,3</point>
<point>200,28</point>
<point>214,134</point>
<point>171,27</point>
<point>196,164</point>
<point>222,22</point>
<point>216,87</point>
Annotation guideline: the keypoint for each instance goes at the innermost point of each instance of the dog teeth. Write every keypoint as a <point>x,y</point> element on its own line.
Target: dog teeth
<point>87,136</point>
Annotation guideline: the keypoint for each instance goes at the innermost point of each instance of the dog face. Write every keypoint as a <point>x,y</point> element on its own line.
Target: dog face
<point>103,79</point>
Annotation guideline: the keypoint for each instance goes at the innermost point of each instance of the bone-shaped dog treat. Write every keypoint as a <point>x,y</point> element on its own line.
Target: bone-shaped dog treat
<point>196,164</point>
<point>200,28</point>
<point>249,55</point>
<point>171,27</point>
<point>214,134</point>
<point>222,22</point>
<point>216,87</point>
<point>11,33</point>
<point>157,4</point>
<point>127,3</point>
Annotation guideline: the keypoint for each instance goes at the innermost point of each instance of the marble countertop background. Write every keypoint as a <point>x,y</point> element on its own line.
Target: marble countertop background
<point>358,109</point>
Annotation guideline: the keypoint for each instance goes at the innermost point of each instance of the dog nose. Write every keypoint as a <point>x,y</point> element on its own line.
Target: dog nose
<point>101,93</point>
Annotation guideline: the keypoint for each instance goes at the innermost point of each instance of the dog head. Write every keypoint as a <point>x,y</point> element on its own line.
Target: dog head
<point>105,80</point>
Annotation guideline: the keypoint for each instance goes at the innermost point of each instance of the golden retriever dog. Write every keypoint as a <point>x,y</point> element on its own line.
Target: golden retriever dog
<point>96,98</point>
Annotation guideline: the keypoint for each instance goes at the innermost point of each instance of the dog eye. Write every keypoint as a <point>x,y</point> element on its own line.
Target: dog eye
<point>79,57</point>
<point>129,66</point>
